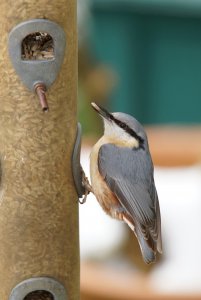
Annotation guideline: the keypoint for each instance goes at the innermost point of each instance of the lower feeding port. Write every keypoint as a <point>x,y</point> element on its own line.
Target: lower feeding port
<point>39,295</point>
<point>40,288</point>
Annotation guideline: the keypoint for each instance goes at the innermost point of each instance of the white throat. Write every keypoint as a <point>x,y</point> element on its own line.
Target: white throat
<point>114,132</point>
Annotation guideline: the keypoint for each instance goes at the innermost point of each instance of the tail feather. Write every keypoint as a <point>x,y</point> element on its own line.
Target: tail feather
<point>148,247</point>
<point>148,254</point>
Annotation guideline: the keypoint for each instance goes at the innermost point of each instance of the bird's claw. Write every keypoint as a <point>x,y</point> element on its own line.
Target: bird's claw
<point>84,199</point>
<point>87,187</point>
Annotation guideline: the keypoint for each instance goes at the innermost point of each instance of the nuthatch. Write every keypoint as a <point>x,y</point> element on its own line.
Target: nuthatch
<point>122,179</point>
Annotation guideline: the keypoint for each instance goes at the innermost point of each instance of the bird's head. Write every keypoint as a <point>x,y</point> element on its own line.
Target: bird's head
<point>122,126</point>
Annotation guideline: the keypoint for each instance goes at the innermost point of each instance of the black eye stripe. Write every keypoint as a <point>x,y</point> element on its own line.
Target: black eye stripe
<point>128,130</point>
<point>125,127</point>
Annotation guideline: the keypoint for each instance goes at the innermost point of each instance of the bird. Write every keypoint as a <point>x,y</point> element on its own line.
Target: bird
<point>122,179</point>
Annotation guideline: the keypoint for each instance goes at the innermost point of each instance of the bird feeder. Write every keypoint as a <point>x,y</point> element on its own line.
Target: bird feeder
<point>38,201</point>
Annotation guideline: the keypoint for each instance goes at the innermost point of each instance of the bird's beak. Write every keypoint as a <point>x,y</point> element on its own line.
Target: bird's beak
<point>101,111</point>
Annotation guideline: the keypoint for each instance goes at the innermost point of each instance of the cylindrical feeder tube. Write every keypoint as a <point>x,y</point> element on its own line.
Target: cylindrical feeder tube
<point>38,201</point>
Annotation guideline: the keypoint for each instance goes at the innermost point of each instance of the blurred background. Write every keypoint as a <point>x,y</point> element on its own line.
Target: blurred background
<point>143,57</point>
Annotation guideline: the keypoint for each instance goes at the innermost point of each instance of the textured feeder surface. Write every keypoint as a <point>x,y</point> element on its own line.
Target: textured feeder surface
<point>38,202</point>
<point>39,295</point>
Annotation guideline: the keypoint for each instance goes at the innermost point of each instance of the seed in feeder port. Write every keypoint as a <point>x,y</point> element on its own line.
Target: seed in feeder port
<point>37,46</point>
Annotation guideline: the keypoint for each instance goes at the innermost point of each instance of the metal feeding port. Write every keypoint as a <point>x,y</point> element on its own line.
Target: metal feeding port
<point>36,49</point>
<point>39,288</point>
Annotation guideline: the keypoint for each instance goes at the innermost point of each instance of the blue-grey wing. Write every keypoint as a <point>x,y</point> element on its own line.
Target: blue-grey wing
<point>129,174</point>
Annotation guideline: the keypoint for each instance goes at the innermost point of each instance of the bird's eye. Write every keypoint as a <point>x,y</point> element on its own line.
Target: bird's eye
<point>122,125</point>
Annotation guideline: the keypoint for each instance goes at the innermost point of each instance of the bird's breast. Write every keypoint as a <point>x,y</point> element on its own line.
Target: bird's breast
<point>105,197</point>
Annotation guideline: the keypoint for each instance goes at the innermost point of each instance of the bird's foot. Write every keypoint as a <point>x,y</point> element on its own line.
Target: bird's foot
<point>87,187</point>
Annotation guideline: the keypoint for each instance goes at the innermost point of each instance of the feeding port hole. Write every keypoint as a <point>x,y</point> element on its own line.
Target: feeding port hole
<point>39,295</point>
<point>37,46</point>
